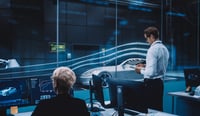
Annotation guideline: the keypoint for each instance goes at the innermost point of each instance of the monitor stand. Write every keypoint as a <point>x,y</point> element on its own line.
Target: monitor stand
<point>120,105</point>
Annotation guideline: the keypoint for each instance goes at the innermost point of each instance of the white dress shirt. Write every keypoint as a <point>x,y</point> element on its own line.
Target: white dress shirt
<point>156,61</point>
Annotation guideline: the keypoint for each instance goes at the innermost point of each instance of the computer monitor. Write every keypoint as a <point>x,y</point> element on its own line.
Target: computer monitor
<point>41,88</point>
<point>132,95</point>
<point>192,77</point>
<point>98,89</point>
<point>96,93</point>
<point>14,92</point>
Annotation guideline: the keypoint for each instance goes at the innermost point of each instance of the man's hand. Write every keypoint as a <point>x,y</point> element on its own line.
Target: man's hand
<point>139,67</point>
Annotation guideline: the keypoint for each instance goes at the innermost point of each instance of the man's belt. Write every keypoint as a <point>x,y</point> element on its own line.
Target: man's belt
<point>156,78</point>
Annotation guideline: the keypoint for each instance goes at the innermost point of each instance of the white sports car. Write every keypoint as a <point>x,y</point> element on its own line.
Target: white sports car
<point>125,70</point>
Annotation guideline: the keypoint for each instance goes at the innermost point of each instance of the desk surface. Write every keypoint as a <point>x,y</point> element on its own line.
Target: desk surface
<point>184,95</point>
<point>112,112</point>
<point>189,102</point>
<point>23,114</point>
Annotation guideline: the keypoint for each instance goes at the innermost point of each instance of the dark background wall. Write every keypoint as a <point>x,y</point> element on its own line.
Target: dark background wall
<point>28,26</point>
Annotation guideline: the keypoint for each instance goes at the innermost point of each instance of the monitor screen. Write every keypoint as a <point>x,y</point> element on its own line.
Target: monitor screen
<point>192,77</point>
<point>25,91</point>
<point>41,88</point>
<point>14,92</point>
<point>132,94</point>
<point>98,89</point>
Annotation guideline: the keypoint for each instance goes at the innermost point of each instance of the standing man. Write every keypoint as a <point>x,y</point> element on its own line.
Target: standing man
<point>154,70</point>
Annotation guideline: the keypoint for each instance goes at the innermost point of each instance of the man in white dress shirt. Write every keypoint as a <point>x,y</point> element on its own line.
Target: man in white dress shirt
<point>154,69</point>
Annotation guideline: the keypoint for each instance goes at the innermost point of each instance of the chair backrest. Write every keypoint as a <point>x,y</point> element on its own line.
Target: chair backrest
<point>98,89</point>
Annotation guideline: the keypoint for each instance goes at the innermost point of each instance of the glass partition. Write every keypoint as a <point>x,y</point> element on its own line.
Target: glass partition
<point>182,33</point>
<point>85,34</point>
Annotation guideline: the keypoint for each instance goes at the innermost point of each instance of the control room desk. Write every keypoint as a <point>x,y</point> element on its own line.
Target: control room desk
<point>184,104</point>
<point>151,112</point>
<point>112,112</point>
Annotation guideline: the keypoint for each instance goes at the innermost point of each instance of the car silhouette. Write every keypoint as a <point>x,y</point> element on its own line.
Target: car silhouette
<point>8,91</point>
<point>125,70</point>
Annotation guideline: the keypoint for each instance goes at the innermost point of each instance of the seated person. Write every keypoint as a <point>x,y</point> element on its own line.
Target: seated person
<point>64,104</point>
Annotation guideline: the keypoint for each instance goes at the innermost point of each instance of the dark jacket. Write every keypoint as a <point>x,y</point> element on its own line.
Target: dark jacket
<point>61,105</point>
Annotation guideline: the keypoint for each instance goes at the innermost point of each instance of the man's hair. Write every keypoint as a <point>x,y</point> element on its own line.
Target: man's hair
<point>151,31</point>
<point>63,79</point>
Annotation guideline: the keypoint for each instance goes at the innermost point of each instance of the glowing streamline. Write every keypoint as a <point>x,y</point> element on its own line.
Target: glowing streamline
<point>109,60</point>
<point>112,54</point>
<point>119,54</point>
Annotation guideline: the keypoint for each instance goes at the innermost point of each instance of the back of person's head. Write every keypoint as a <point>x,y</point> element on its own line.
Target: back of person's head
<point>63,79</point>
<point>152,31</point>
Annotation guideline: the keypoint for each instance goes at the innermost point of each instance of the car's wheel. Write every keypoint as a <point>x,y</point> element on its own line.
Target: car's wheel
<point>104,77</point>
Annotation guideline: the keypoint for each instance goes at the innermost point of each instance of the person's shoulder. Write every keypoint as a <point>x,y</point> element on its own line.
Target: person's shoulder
<point>77,99</point>
<point>44,101</point>
<point>78,102</point>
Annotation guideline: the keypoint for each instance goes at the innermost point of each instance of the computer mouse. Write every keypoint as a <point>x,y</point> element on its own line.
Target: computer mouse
<point>191,93</point>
